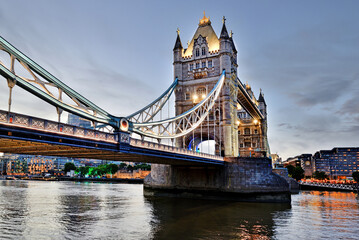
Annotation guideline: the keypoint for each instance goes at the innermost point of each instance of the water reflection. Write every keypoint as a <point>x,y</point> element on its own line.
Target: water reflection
<point>196,219</point>
<point>68,210</point>
<point>13,208</point>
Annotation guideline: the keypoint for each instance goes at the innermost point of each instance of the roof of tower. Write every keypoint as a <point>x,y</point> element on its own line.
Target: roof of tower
<point>178,44</point>
<point>261,98</point>
<point>206,31</point>
<point>224,32</point>
<point>232,42</point>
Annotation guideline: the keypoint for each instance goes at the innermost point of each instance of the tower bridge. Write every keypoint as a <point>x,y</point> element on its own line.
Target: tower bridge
<point>211,103</point>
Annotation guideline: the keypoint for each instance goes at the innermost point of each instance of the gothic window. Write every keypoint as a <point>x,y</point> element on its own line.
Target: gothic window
<point>197,65</point>
<point>247,144</point>
<point>201,92</point>
<point>191,67</point>
<point>241,145</point>
<point>239,132</point>
<point>254,144</point>
<point>203,51</point>
<point>209,63</point>
<point>247,131</point>
<point>197,52</point>
<point>255,131</point>
<point>187,96</point>
<point>203,64</point>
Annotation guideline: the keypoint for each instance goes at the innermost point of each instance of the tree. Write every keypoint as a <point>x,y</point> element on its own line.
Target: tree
<point>290,170</point>
<point>123,165</point>
<point>69,166</point>
<point>320,175</point>
<point>298,173</point>
<point>112,168</point>
<point>84,171</point>
<point>355,176</point>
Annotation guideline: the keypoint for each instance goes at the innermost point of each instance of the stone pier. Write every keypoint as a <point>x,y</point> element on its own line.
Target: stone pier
<point>240,179</point>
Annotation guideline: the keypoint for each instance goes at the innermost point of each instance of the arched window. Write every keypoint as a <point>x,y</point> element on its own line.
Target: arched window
<point>197,52</point>
<point>203,51</point>
<point>201,92</point>
<point>247,131</point>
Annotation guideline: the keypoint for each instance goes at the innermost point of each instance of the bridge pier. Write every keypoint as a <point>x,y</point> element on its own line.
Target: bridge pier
<point>240,179</point>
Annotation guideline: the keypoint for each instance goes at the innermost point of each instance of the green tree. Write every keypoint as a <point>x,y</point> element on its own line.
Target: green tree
<point>129,168</point>
<point>112,168</point>
<point>298,173</point>
<point>101,170</point>
<point>320,175</point>
<point>355,176</point>
<point>123,165</point>
<point>84,171</point>
<point>290,170</point>
<point>69,166</point>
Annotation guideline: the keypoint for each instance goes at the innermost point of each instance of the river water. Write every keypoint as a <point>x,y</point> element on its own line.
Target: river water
<point>69,210</point>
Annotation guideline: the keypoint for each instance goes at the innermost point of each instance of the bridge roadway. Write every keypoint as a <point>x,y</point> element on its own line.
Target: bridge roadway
<point>21,134</point>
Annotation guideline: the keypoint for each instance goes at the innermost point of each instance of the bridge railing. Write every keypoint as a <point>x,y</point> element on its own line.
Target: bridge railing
<point>25,121</point>
<point>328,185</point>
<point>54,127</point>
<point>167,148</point>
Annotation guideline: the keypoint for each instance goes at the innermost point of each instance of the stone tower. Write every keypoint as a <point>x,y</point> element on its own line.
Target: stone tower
<point>198,68</point>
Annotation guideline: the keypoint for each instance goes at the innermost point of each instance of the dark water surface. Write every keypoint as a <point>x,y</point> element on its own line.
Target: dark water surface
<point>68,210</point>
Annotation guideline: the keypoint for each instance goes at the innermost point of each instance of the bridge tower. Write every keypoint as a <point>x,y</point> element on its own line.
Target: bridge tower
<point>198,68</point>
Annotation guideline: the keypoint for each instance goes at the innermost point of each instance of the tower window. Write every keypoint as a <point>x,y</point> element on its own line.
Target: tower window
<point>197,65</point>
<point>209,63</point>
<point>201,92</point>
<point>203,51</point>
<point>191,67</point>
<point>203,64</point>
<point>197,52</point>
<point>247,131</point>
<point>187,96</point>
<point>255,131</point>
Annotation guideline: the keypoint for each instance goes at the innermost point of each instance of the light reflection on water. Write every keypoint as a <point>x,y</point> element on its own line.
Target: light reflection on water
<point>68,210</point>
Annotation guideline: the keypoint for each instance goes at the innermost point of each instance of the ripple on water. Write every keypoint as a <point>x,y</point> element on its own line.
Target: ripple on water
<point>68,210</point>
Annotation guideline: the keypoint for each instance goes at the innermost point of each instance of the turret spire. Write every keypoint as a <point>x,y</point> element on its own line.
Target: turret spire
<point>178,44</point>
<point>224,32</point>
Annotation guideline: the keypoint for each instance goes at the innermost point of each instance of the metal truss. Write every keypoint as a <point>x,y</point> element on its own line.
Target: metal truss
<point>184,123</point>
<point>42,84</point>
<point>147,113</point>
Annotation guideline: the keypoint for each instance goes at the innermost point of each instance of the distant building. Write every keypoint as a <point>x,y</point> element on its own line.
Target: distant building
<point>78,121</point>
<point>338,162</point>
<point>276,160</point>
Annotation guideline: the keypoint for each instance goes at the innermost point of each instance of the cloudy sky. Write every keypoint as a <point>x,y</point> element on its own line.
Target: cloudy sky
<point>303,54</point>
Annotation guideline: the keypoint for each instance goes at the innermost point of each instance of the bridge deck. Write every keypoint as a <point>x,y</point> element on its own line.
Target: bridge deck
<point>22,134</point>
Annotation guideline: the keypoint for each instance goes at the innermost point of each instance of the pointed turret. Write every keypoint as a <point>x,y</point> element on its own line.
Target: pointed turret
<point>224,32</point>
<point>261,98</point>
<point>178,44</point>
<point>232,42</point>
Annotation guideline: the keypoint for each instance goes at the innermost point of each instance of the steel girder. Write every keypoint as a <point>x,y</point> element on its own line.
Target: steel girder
<point>42,80</point>
<point>147,113</point>
<point>184,123</point>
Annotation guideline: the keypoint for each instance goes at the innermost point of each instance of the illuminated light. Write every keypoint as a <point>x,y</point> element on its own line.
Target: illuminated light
<point>203,95</point>
<point>195,97</point>
<point>238,122</point>
<point>255,121</point>
<point>239,107</point>
<point>124,125</point>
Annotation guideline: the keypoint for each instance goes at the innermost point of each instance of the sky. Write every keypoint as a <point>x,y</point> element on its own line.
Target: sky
<point>304,55</point>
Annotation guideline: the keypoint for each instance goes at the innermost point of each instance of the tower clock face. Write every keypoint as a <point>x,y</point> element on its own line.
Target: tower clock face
<point>307,163</point>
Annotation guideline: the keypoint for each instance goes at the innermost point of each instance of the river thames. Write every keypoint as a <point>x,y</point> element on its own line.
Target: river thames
<point>69,210</point>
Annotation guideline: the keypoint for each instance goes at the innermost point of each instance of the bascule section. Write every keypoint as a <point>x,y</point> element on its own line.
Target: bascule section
<point>237,123</point>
